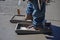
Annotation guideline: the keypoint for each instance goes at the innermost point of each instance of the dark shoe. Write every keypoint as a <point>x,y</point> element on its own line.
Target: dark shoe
<point>38,28</point>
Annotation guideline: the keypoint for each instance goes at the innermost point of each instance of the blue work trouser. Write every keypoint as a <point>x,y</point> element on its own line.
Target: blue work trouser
<point>30,8</point>
<point>37,14</point>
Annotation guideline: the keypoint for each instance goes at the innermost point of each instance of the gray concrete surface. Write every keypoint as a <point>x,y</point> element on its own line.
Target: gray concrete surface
<point>7,30</point>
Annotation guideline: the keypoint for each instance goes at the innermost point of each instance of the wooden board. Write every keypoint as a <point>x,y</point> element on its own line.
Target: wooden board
<point>19,31</point>
<point>17,18</point>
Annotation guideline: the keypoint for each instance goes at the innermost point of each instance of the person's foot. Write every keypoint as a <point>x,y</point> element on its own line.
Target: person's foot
<point>31,27</point>
<point>29,17</point>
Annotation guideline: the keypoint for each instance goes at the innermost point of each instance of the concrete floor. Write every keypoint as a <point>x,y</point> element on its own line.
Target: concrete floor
<point>7,29</point>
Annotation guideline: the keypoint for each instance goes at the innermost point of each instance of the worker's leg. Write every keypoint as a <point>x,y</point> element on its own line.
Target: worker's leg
<point>29,11</point>
<point>43,8</point>
<point>38,15</point>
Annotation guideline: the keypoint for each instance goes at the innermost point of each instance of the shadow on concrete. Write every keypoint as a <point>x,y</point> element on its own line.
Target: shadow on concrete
<point>2,0</point>
<point>55,33</point>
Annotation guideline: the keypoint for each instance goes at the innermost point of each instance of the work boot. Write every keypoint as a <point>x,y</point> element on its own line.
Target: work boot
<point>29,17</point>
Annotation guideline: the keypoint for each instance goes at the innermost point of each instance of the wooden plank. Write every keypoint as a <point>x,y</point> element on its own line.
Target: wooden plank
<point>18,30</point>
